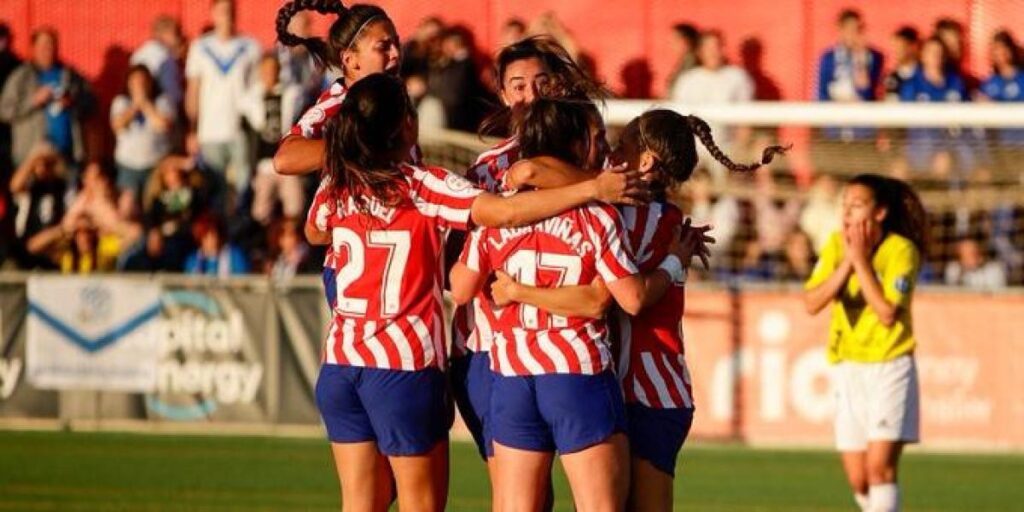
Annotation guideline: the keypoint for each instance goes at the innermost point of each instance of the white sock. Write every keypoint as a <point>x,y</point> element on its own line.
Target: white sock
<point>862,502</point>
<point>884,497</point>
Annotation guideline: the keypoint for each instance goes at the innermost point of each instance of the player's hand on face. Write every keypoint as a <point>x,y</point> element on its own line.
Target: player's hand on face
<point>621,185</point>
<point>503,289</point>
<point>857,240</point>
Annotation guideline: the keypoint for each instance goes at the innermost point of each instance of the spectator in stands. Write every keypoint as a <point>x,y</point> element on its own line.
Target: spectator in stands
<point>821,213</point>
<point>933,149</point>
<point>174,199</point>
<point>8,63</point>
<point>215,256</point>
<point>37,188</point>
<point>723,212</point>
<point>714,81</point>
<point>851,70</point>
<point>906,49</point>
<point>149,255</point>
<point>422,49</point>
<point>512,31</point>
<point>549,24</point>
<point>46,100</point>
<point>799,258</point>
<point>951,33</point>
<point>161,55</point>
<point>92,233</point>
<point>271,108</point>
<point>774,218</point>
<point>429,109</point>
<point>142,120</point>
<point>291,253</point>
<point>218,69</point>
<point>455,81</point>
<point>1006,84</point>
<point>971,270</point>
<point>685,38</point>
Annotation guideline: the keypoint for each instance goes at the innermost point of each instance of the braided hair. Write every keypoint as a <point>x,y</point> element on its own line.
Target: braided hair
<point>343,34</point>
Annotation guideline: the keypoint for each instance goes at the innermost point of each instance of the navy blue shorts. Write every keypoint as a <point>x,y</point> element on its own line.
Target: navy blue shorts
<point>562,412</point>
<point>404,412</point>
<point>657,435</point>
<point>472,380</point>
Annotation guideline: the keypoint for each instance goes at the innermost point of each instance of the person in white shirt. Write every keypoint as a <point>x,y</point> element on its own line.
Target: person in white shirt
<point>160,55</point>
<point>219,68</point>
<point>142,122</point>
<point>970,269</point>
<point>271,107</point>
<point>714,81</point>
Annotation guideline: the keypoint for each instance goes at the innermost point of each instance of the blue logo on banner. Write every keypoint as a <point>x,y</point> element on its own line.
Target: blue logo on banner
<point>97,343</point>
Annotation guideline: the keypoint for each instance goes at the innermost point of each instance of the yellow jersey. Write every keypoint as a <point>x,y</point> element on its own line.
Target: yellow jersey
<point>856,334</point>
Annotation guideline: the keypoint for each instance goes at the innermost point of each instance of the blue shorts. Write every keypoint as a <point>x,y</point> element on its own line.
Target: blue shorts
<point>404,412</point>
<point>657,435</point>
<point>545,413</point>
<point>472,380</point>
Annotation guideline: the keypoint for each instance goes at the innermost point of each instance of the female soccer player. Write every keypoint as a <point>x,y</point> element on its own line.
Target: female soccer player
<point>362,41</point>
<point>651,365</point>
<point>554,389</point>
<point>525,70</point>
<point>380,388</point>
<point>867,273</point>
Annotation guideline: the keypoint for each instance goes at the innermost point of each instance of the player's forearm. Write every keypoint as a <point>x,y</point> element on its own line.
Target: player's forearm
<point>545,172</point>
<point>820,296</point>
<point>528,207</point>
<point>873,293</point>
<point>298,155</point>
<point>575,301</point>
<point>638,291</point>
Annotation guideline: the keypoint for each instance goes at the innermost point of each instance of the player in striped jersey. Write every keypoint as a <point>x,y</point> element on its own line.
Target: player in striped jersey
<point>651,358</point>
<point>525,70</point>
<point>362,41</point>
<point>555,389</point>
<point>380,389</point>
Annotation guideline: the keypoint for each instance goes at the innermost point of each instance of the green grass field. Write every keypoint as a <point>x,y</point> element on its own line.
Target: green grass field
<point>76,472</point>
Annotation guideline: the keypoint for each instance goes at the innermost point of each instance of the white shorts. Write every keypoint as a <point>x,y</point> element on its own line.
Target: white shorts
<point>876,402</point>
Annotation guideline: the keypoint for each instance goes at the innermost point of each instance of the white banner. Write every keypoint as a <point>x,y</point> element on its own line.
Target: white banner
<point>92,333</point>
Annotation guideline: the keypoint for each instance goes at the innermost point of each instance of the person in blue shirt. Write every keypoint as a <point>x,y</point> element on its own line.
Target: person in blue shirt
<point>1006,83</point>
<point>215,256</point>
<point>935,81</point>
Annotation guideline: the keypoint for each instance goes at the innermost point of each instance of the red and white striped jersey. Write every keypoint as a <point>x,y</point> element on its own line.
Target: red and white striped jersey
<point>311,124</point>
<point>651,358</point>
<point>471,329</point>
<point>569,249</point>
<point>384,270</point>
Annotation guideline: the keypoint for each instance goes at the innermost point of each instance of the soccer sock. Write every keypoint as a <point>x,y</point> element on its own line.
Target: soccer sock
<point>862,502</point>
<point>884,497</point>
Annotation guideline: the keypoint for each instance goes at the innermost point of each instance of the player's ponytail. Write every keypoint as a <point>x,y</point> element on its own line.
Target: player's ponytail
<point>365,142</point>
<point>701,129</point>
<point>343,34</point>
<point>905,214</point>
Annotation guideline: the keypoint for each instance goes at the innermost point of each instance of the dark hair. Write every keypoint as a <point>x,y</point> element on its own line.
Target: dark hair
<point>342,35</point>
<point>568,78</point>
<point>947,55</point>
<point>908,34</point>
<point>948,24</point>
<point>154,88</point>
<point>557,128</point>
<point>1005,38</point>
<point>5,31</point>
<point>670,136</point>
<point>905,213</point>
<point>364,142</point>
<point>849,15</point>
<point>687,31</point>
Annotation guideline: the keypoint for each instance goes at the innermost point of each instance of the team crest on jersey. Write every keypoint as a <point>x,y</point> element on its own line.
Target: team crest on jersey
<point>902,284</point>
<point>316,115</point>
<point>457,183</point>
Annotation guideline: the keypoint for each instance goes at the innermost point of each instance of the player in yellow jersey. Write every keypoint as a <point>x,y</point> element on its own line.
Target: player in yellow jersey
<point>867,273</point>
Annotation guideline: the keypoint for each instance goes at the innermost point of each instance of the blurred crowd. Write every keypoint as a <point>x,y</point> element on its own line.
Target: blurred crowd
<point>190,185</point>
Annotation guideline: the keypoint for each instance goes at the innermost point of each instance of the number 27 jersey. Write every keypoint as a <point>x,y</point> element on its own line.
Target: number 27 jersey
<point>383,272</point>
